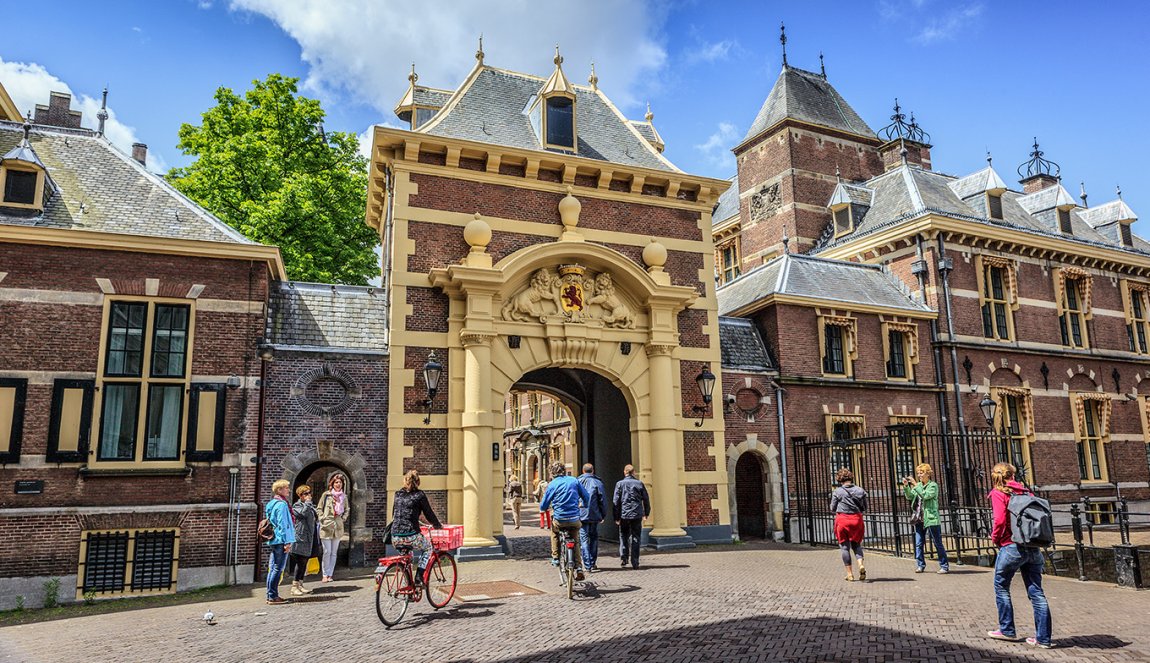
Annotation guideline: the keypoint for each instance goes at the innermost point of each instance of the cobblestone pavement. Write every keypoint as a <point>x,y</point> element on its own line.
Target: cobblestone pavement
<point>757,602</point>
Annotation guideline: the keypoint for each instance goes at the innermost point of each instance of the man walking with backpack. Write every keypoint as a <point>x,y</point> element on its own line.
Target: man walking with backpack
<point>1021,526</point>
<point>632,506</point>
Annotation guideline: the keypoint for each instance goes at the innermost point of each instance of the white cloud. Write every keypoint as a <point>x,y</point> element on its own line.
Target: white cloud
<point>29,84</point>
<point>947,26</point>
<point>717,148</point>
<point>364,48</point>
<point>719,50</point>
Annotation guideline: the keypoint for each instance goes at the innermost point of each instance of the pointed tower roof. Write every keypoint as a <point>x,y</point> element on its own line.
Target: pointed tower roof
<point>558,83</point>
<point>807,97</point>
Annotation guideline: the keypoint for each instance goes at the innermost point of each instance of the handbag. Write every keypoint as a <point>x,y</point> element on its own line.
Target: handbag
<point>916,517</point>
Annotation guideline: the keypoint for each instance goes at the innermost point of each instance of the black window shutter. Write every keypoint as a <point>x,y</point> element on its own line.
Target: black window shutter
<point>217,451</point>
<point>80,455</point>
<point>12,455</point>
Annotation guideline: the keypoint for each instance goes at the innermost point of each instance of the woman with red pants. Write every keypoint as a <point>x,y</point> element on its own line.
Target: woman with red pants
<point>848,502</point>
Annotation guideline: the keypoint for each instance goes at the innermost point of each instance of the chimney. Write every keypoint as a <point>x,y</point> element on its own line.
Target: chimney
<point>904,142</point>
<point>140,153</point>
<point>1037,182</point>
<point>58,112</point>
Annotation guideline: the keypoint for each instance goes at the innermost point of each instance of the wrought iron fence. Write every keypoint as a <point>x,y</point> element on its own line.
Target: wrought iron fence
<point>961,463</point>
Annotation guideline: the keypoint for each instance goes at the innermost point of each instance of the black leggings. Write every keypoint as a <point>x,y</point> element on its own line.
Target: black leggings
<point>298,564</point>
<point>847,548</point>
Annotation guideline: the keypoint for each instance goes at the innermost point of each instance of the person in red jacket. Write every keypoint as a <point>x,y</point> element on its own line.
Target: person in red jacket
<point>1013,558</point>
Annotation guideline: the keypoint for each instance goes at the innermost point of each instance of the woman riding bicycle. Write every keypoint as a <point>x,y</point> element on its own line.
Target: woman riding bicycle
<point>410,502</point>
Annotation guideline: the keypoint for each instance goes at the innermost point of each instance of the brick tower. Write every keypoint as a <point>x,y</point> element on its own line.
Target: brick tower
<point>804,137</point>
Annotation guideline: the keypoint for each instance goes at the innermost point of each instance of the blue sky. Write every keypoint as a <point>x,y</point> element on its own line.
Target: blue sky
<point>979,75</point>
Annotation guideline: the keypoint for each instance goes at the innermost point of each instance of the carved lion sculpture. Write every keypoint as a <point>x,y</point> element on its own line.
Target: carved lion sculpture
<point>615,312</point>
<point>528,303</point>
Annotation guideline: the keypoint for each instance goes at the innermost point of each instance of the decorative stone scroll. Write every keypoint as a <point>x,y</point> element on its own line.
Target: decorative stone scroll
<point>570,294</point>
<point>765,202</point>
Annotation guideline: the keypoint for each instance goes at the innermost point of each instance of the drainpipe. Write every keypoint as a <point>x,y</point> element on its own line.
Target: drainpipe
<point>779,391</point>
<point>259,459</point>
<point>920,269</point>
<point>945,265</point>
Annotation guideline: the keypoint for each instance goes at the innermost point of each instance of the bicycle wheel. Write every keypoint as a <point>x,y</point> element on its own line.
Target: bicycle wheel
<point>570,582</point>
<point>441,579</point>
<point>392,594</point>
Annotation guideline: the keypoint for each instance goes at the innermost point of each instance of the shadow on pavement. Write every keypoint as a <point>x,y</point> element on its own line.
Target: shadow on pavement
<point>870,580</point>
<point>455,611</point>
<point>778,639</point>
<point>594,591</point>
<point>1092,642</point>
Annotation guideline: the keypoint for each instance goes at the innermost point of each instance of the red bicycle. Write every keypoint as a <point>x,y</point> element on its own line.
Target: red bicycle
<point>396,585</point>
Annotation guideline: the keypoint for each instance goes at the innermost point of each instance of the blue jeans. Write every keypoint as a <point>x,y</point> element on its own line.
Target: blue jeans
<point>276,564</point>
<point>935,533</point>
<point>589,542</point>
<point>1011,559</point>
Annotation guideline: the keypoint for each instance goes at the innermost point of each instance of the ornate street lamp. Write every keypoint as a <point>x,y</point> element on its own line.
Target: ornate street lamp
<point>432,371</point>
<point>988,407</point>
<point>705,380</point>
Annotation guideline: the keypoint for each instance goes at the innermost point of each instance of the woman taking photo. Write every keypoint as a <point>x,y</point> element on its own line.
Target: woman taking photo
<point>848,502</point>
<point>333,510</point>
<point>409,504</point>
<point>923,496</point>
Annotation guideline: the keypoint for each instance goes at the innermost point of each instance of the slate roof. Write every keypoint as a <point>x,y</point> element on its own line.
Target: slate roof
<point>99,188</point>
<point>1115,210</point>
<point>728,204</point>
<point>818,278</point>
<point>742,346</point>
<point>851,194</point>
<point>807,97</point>
<point>980,182</point>
<point>429,96</point>
<point>907,192</point>
<point>492,107</point>
<point>322,317</point>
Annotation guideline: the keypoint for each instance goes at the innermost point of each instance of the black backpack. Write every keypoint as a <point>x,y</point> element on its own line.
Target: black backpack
<point>1031,523</point>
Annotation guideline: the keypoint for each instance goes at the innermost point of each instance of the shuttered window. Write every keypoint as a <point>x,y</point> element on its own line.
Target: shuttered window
<point>70,421</point>
<point>206,409</point>
<point>13,392</point>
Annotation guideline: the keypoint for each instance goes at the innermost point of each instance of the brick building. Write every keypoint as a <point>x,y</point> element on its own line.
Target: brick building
<point>889,293</point>
<point>128,392</point>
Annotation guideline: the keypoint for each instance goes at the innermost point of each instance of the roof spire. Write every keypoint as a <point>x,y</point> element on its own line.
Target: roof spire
<point>102,114</point>
<point>786,242</point>
<point>838,174</point>
<point>479,53</point>
<point>902,153</point>
<point>593,79</point>
<point>649,116</point>
<point>783,41</point>
<point>413,77</point>
<point>989,160</point>
<point>558,58</point>
<point>1082,194</point>
<point>28,130</point>
<point>822,65</point>
<point>1118,189</point>
<point>558,83</point>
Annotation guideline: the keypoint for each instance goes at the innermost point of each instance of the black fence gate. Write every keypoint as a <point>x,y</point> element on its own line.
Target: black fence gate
<point>961,462</point>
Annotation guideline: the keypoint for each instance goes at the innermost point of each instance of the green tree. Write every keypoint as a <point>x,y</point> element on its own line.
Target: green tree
<point>265,166</point>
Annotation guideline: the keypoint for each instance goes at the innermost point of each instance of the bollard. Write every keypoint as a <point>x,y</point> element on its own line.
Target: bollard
<point>1076,525</point>
<point>1127,567</point>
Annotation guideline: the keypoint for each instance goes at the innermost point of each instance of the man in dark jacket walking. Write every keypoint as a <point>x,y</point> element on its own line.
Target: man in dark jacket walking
<point>591,513</point>
<point>632,506</point>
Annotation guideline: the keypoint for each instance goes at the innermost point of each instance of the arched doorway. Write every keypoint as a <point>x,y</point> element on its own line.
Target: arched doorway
<point>600,430</point>
<point>316,477</point>
<point>751,499</point>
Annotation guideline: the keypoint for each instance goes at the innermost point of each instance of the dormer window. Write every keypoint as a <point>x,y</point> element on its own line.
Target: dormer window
<point>994,205</point>
<point>1127,237</point>
<point>1064,221</point>
<point>422,116</point>
<point>20,187</point>
<point>22,176</point>
<point>843,221</point>
<point>560,122</point>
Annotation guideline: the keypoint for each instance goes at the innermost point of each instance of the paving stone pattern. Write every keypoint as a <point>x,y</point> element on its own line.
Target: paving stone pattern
<point>758,602</point>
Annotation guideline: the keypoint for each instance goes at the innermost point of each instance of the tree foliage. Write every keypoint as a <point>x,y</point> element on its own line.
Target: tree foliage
<point>265,166</point>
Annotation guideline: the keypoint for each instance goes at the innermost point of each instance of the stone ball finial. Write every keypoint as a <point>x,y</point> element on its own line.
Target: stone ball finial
<point>569,209</point>
<point>655,255</point>
<point>477,234</point>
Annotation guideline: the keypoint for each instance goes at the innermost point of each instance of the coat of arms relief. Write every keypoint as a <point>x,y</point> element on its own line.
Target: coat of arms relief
<point>573,294</point>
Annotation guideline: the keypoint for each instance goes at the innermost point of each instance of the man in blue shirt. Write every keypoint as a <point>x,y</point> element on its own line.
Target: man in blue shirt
<point>563,497</point>
<point>591,515</point>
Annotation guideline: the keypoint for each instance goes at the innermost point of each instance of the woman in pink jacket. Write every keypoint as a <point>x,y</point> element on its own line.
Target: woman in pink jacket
<point>1013,558</point>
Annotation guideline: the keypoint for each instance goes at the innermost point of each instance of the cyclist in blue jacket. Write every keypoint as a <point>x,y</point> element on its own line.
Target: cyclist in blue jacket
<point>563,496</point>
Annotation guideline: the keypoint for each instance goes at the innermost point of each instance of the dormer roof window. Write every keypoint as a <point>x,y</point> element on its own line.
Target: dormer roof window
<point>420,103</point>
<point>1064,224</point>
<point>994,205</point>
<point>557,98</point>
<point>849,204</point>
<point>23,176</point>
<point>1127,236</point>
